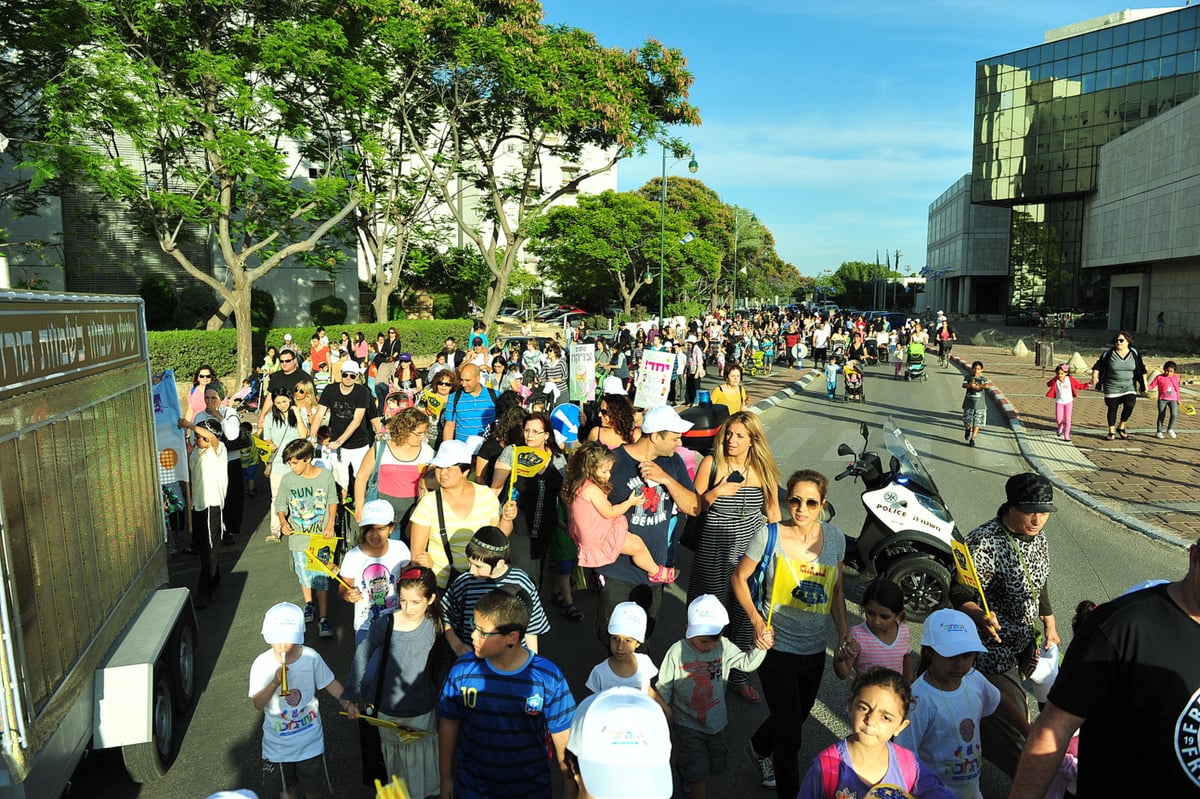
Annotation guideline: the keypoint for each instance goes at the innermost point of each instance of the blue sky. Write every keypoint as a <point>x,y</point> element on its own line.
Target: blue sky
<point>837,125</point>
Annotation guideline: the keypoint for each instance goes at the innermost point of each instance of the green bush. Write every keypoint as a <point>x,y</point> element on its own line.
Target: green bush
<point>326,311</point>
<point>185,350</point>
<point>262,308</point>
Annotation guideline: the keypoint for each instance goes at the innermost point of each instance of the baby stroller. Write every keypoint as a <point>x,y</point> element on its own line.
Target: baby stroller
<point>914,362</point>
<point>397,401</point>
<point>853,375</point>
<point>757,363</point>
<point>249,401</point>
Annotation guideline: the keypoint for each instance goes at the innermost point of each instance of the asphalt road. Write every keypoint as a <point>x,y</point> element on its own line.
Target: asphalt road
<point>1092,558</point>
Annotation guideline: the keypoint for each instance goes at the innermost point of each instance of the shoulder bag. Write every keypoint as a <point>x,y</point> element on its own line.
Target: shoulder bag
<point>452,573</point>
<point>372,492</point>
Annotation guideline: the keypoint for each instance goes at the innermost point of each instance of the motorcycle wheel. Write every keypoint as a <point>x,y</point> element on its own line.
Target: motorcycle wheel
<point>924,582</point>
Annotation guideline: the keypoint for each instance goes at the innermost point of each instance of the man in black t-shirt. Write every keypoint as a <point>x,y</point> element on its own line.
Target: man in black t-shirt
<point>1133,674</point>
<point>348,406</point>
<point>285,379</point>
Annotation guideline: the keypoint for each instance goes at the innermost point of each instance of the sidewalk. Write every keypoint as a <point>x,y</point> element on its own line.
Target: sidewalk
<point>1151,485</point>
<point>1148,484</point>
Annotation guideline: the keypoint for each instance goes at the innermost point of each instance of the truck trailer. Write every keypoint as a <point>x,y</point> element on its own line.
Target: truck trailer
<point>97,651</point>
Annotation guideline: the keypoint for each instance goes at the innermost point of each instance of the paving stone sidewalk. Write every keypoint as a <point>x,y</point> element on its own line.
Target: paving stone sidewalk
<point>1150,484</point>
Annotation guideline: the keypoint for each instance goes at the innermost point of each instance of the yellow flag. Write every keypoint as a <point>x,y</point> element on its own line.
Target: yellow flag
<point>964,569</point>
<point>319,557</point>
<point>527,462</point>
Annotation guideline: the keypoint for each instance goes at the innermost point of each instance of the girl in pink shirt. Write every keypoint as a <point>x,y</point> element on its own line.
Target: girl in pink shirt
<point>1167,385</point>
<point>1063,390</point>
<point>882,639</point>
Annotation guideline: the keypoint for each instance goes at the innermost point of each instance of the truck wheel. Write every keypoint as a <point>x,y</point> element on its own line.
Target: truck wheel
<point>181,657</point>
<point>924,582</point>
<point>149,761</point>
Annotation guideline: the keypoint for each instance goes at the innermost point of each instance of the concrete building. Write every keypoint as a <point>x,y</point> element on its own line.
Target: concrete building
<point>967,253</point>
<point>1045,118</point>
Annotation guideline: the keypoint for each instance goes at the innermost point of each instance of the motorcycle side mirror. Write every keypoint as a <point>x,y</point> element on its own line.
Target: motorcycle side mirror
<point>862,430</point>
<point>828,512</point>
<point>894,465</point>
<point>844,449</point>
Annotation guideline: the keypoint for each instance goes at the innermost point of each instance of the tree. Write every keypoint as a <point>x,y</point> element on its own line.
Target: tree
<point>224,115</point>
<point>711,221</point>
<point>502,77</point>
<point>603,248</point>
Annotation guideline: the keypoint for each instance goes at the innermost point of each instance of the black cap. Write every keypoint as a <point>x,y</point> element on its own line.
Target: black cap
<point>1030,493</point>
<point>490,539</point>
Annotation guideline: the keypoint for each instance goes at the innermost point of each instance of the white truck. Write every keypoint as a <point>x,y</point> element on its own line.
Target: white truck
<point>96,651</point>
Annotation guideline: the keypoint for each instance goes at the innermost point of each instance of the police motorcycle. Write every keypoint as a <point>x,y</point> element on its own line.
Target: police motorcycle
<point>908,529</point>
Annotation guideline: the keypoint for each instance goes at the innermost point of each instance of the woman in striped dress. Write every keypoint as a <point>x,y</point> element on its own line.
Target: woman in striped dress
<point>739,491</point>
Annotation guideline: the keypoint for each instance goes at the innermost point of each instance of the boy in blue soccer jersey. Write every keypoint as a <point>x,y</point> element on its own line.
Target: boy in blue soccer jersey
<point>497,707</point>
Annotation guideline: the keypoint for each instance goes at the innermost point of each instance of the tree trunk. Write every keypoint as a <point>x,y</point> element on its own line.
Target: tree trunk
<point>240,302</point>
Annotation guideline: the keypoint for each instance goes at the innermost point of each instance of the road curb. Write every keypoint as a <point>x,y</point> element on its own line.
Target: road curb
<point>1039,465</point>
<point>784,393</point>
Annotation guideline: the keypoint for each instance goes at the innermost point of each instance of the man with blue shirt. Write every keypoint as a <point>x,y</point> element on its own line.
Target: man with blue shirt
<point>469,410</point>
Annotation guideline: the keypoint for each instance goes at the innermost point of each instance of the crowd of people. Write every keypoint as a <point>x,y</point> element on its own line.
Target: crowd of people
<point>457,499</point>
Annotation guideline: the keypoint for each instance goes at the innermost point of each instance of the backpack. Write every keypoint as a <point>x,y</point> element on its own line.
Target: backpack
<point>758,580</point>
<point>830,761</point>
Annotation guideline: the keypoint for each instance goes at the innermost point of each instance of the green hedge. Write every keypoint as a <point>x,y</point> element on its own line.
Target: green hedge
<point>186,350</point>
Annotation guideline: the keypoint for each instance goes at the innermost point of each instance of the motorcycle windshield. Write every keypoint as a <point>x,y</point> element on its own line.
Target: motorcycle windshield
<point>910,462</point>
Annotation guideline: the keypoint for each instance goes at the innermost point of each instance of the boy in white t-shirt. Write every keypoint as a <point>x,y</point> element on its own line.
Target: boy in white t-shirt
<point>208,473</point>
<point>284,682</point>
<point>626,667</point>
<point>952,698</point>
<point>373,567</point>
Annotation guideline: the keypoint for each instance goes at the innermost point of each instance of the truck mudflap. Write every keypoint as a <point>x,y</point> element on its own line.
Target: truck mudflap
<point>125,680</point>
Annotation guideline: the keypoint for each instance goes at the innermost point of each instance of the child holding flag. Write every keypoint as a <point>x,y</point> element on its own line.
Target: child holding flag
<point>307,504</point>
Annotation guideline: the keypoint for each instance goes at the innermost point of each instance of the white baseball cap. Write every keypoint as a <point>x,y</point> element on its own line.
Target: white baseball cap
<point>377,511</point>
<point>628,619</point>
<point>621,739</point>
<point>613,385</point>
<point>283,624</point>
<point>287,336</point>
<point>664,418</point>
<point>452,453</point>
<point>951,633</point>
<point>351,367</point>
<point>706,616</point>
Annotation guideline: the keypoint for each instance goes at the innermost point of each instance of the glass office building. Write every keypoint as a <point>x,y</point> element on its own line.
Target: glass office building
<point>1041,115</point>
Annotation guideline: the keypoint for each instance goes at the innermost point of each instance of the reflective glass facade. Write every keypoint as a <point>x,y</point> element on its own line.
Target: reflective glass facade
<point>1041,115</point>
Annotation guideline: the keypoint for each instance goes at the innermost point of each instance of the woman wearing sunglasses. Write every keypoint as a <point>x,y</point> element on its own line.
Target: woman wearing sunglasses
<point>801,591</point>
<point>1120,375</point>
<point>202,378</point>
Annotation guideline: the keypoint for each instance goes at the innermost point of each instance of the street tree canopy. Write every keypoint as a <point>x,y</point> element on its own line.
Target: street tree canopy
<point>503,77</point>
<point>185,112</point>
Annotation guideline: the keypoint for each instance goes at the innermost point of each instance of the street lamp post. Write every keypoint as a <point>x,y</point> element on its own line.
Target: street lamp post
<point>662,229</point>
<point>737,229</point>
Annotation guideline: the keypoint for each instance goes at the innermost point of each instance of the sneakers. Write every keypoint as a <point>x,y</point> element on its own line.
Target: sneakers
<point>967,434</point>
<point>1159,435</point>
<point>324,628</point>
<point>310,612</point>
<point>763,766</point>
<point>1171,433</point>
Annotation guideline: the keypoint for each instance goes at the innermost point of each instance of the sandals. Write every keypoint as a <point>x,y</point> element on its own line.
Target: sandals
<point>664,575</point>
<point>1111,436</point>
<point>1123,433</point>
<point>574,613</point>
<point>274,538</point>
<point>559,601</point>
<point>746,691</point>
